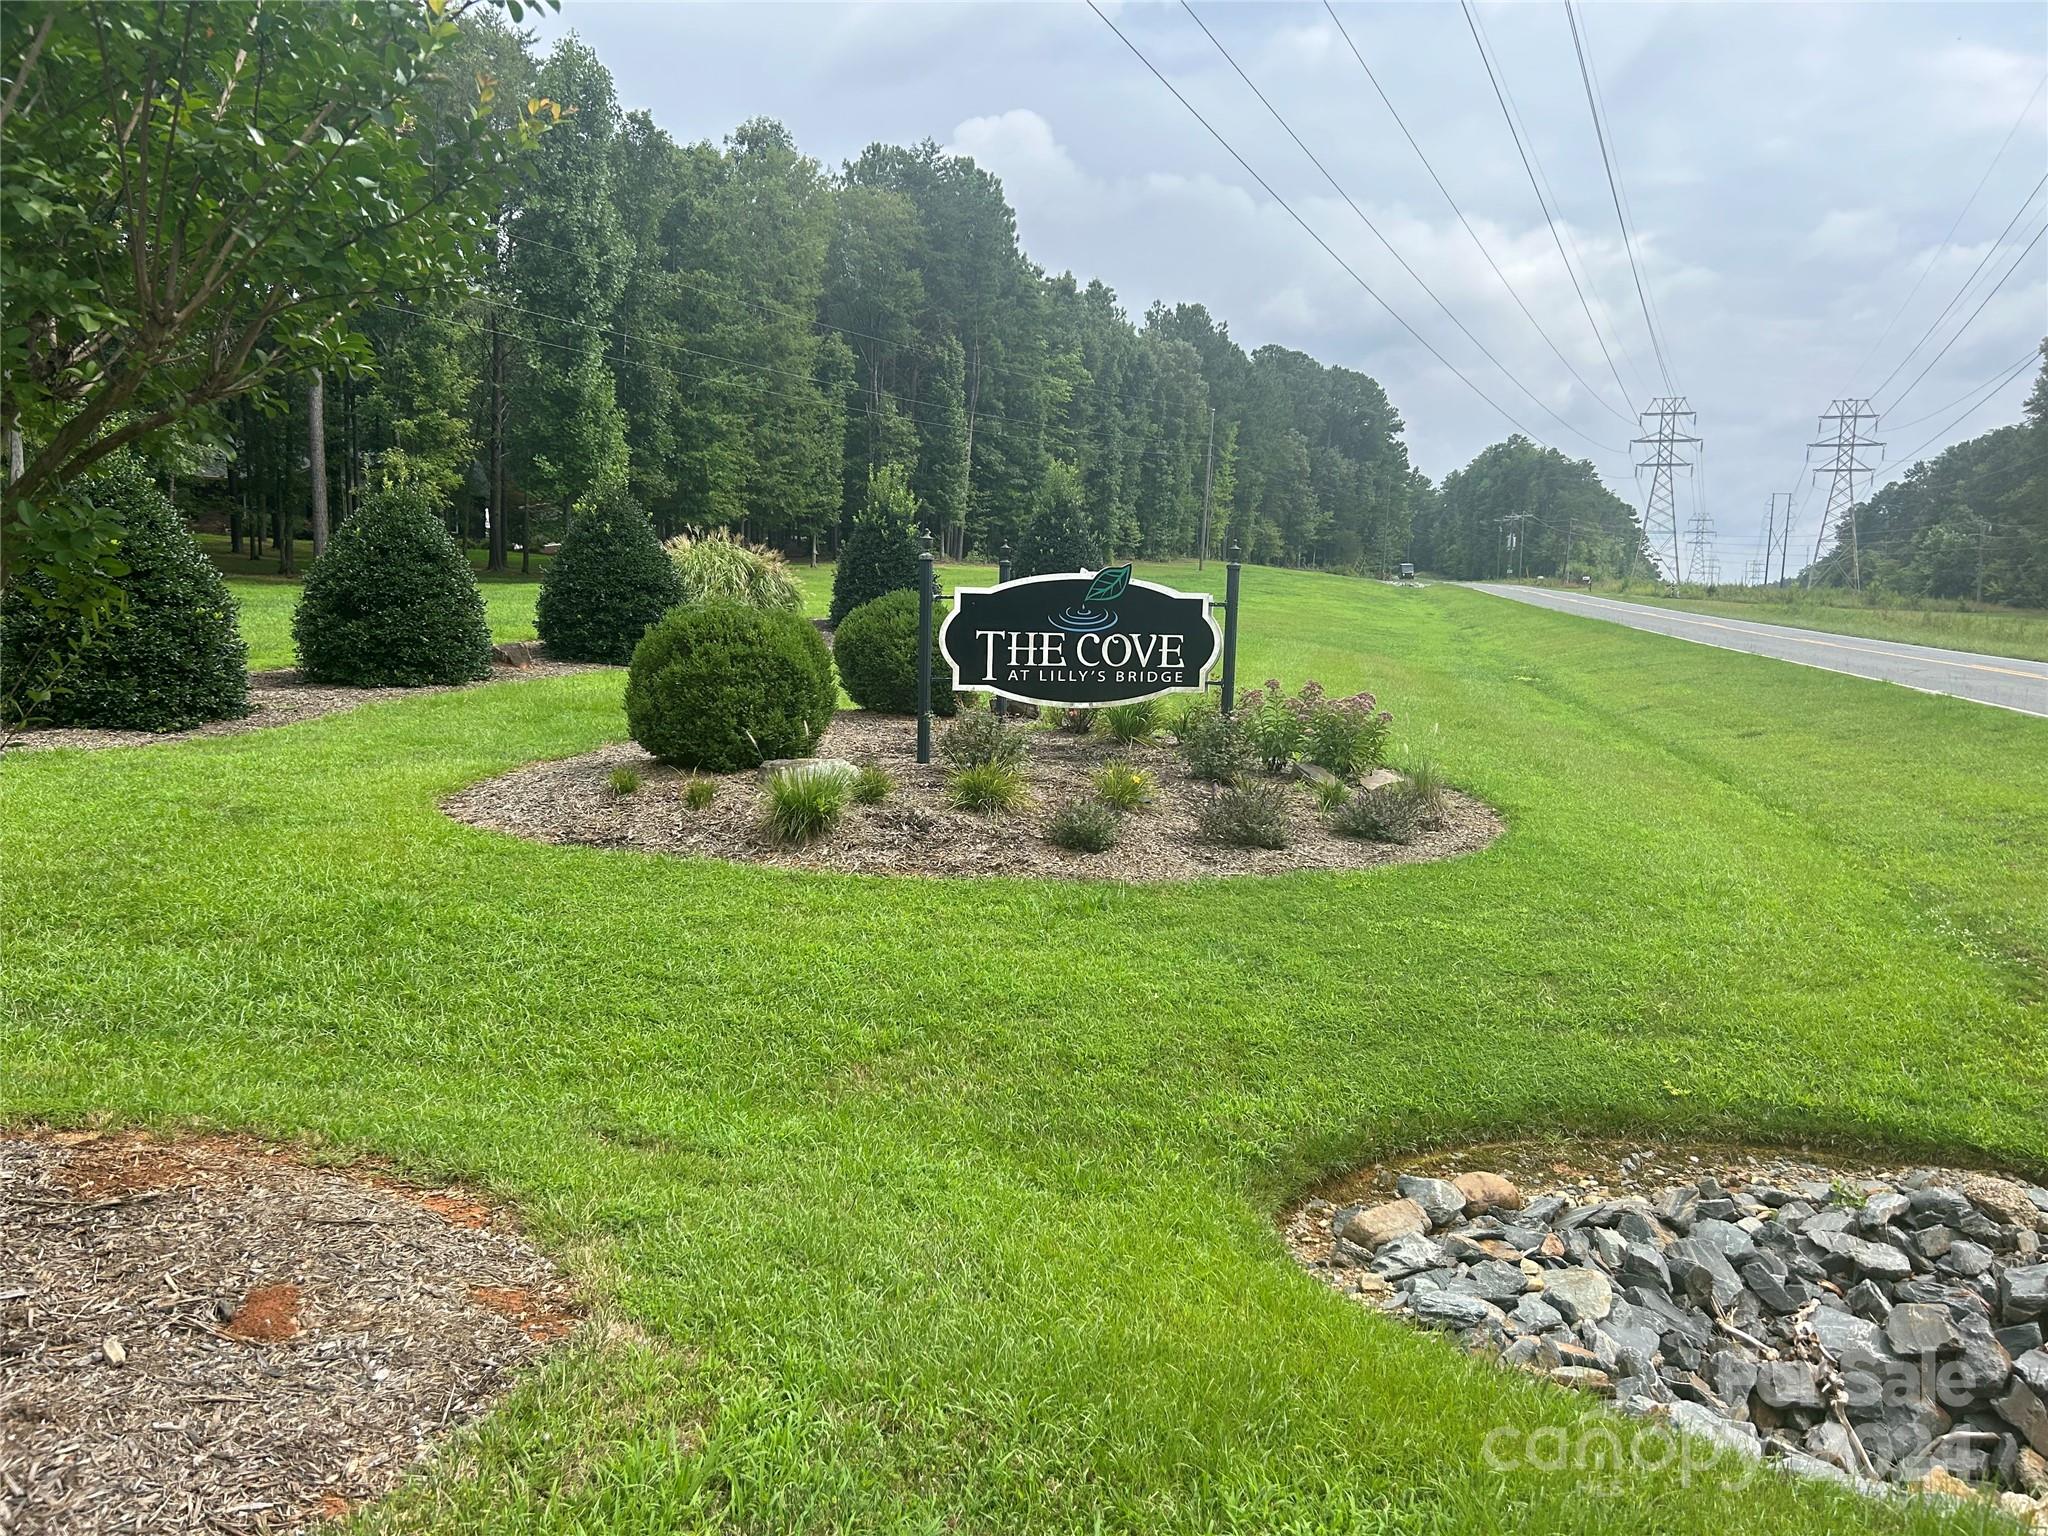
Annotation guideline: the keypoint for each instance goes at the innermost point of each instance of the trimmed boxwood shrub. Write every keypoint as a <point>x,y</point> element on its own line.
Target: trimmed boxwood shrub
<point>875,649</point>
<point>720,686</point>
<point>392,603</point>
<point>170,656</point>
<point>880,555</point>
<point>610,580</point>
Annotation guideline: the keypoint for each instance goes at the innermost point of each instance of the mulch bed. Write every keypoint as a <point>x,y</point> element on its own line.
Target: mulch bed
<point>208,1335</point>
<point>275,698</point>
<point>915,832</point>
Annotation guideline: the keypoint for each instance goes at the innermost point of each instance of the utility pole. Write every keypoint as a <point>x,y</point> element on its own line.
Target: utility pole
<point>1208,484</point>
<point>1512,537</point>
<point>1667,446</point>
<point>500,523</point>
<point>1982,529</point>
<point>1569,524</point>
<point>1843,467</point>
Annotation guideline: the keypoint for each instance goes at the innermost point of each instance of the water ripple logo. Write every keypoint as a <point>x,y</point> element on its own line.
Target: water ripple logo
<point>1082,619</point>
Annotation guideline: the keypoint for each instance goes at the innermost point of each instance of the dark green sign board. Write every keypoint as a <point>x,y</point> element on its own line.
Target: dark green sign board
<point>1084,639</point>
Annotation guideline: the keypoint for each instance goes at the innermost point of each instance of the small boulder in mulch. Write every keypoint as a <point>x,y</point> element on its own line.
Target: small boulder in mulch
<point>208,1335</point>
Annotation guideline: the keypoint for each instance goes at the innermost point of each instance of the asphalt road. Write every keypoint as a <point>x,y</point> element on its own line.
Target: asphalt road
<point>1996,680</point>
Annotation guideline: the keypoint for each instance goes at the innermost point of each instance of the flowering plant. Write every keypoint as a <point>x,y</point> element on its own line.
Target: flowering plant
<point>1345,736</point>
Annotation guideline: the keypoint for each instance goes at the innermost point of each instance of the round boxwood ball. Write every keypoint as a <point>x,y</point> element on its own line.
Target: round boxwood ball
<point>167,657</point>
<point>392,603</point>
<point>718,686</point>
<point>875,649</point>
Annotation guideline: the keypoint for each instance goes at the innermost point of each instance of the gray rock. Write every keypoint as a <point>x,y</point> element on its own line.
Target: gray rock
<point>1439,1198</point>
<point>1642,1264</point>
<point>1674,1321</point>
<point>1779,1294</point>
<point>1407,1256</point>
<point>1881,1210</point>
<point>1734,1243</point>
<point>1967,1259</point>
<point>1542,1211</point>
<point>1933,1242</point>
<point>1981,1366</point>
<point>1495,1281</point>
<point>1787,1384</point>
<point>1919,1329</point>
<point>1582,1295</point>
<point>1638,1226</point>
<point>2032,1368</point>
<point>1799,1464</point>
<point>1703,1271</point>
<point>1822,1223</point>
<point>1829,1440</point>
<point>1944,1205</point>
<point>1583,1378</point>
<point>2026,1411</point>
<point>1533,1314</point>
<point>2020,1338</point>
<point>1447,1309</point>
<point>2023,1293</point>
<point>1609,1246</point>
<point>1635,1331</point>
<point>1732,1375</point>
<point>1696,1419</point>
<point>1842,1334</point>
<point>1899,1432</point>
<point>1866,1300</point>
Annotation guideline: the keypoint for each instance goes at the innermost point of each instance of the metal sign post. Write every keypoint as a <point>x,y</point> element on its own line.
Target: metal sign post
<point>1230,628</point>
<point>926,575</point>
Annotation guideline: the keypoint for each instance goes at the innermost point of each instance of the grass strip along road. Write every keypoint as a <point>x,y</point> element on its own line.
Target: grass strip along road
<point>2003,681</point>
<point>948,1205</point>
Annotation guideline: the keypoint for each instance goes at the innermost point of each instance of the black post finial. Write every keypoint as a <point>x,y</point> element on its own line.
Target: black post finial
<point>1236,550</point>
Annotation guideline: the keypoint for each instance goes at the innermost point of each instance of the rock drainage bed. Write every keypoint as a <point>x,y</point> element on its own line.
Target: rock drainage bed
<point>207,1335</point>
<point>1871,1326</point>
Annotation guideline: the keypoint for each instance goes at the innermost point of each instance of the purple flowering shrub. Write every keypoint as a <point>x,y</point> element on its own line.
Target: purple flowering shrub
<point>1346,736</point>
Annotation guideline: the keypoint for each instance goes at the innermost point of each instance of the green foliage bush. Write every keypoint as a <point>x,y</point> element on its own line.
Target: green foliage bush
<point>1061,535</point>
<point>168,656</point>
<point>979,738</point>
<point>625,781</point>
<point>1076,722</point>
<point>1122,787</point>
<point>1082,826</point>
<point>875,649</point>
<point>610,580</point>
<point>392,603</point>
<point>1272,725</point>
<point>1347,736</point>
<point>717,564</point>
<point>1247,815</point>
<point>804,806</point>
<point>993,786</point>
<point>1214,746</point>
<point>719,686</point>
<point>1390,814</point>
<point>880,555</point>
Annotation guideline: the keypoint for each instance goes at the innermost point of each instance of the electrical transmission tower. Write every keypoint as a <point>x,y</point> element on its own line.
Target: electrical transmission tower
<point>1844,466</point>
<point>1777,535</point>
<point>1667,446</point>
<point>1699,537</point>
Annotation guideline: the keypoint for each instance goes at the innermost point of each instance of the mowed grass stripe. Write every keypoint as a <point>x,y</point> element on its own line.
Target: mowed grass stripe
<point>927,1205</point>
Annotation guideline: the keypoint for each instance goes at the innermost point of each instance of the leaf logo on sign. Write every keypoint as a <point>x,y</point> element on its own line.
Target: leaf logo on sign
<point>1108,585</point>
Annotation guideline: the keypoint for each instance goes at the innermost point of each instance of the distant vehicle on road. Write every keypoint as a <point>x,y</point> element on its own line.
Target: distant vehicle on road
<point>1407,573</point>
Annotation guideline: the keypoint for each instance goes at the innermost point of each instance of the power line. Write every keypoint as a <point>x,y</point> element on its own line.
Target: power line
<point>1988,297</point>
<point>1502,96</point>
<point>1908,460</point>
<point>1942,249</point>
<point>1470,232</point>
<point>1989,251</point>
<point>1383,240</point>
<point>2004,375</point>
<point>1310,232</point>
<point>1607,162</point>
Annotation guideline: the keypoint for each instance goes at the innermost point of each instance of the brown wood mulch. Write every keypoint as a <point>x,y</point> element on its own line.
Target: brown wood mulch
<point>208,1335</point>
<point>915,832</point>
<point>275,698</point>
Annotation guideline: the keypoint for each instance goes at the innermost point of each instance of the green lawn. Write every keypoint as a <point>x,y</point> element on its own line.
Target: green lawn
<point>948,1206</point>
<point>1993,631</point>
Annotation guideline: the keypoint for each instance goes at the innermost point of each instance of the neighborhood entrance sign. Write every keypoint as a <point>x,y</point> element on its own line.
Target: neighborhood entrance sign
<point>1081,639</point>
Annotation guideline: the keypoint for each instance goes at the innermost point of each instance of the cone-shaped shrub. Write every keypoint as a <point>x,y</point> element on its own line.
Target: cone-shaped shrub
<point>880,555</point>
<point>1061,534</point>
<point>875,649</point>
<point>168,657</point>
<point>611,580</point>
<point>720,686</point>
<point>392,603</point>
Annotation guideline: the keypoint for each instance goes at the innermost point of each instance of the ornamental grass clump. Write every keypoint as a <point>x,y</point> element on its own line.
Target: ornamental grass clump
<point>1251,814</point>
<point>1427,784</point>
<point>1389,814</point>
<point>1129,723</point>
<point>1122,787</point>
<point>1082,826</point>
<point>625,781</point>
<point>1214,746</point>
<point>720,564</point>
<point>987,787</point>
<point>803,806</point>
<point>699,792</point>
<point>871,785</point>
<point>979,739</point>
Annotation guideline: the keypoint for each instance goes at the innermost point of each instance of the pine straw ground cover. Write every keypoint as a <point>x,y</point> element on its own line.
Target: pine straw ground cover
<point>211,1335</point>
<point>914,831</point>
<point>951,1205</point>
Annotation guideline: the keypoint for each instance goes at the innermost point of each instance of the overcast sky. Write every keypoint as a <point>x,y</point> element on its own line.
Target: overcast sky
<point>1790,170</point>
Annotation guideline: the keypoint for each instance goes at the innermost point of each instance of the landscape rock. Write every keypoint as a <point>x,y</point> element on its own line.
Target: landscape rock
<point>1582,1295</point>
<point>1918,1328</point>
<point>1441,1200</point>
<point>1408,1255</point>
<point>1446,1309</point>
<point>1702,1271</point>
<point>2023,1293</point>
<point>1377,1225</point>
<point>1484,1191</point>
